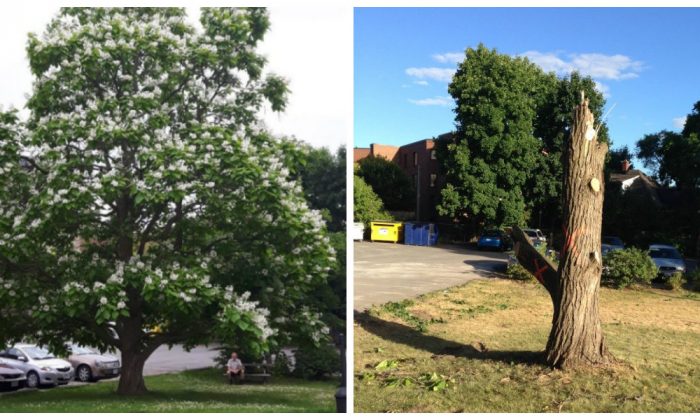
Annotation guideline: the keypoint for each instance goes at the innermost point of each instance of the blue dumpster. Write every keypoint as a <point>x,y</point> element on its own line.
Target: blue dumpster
<point>421,234</point>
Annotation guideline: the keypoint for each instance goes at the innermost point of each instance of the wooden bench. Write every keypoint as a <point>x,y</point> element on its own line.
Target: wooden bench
<point>255,372</point>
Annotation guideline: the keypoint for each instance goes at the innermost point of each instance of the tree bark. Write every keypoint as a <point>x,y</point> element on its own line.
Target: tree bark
<point>576,337</point>
<point>131,380</point>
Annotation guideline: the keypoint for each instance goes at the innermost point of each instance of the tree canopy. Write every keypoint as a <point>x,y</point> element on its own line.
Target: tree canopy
<point>142,191</point>
<point>389,182</point>
<point>511,119</point>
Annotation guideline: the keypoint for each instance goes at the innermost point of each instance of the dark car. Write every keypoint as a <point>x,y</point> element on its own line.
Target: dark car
<point>611,243</point>
<point>494,239</point>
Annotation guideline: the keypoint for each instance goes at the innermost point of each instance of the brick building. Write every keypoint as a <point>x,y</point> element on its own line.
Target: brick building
<point>418,160</point>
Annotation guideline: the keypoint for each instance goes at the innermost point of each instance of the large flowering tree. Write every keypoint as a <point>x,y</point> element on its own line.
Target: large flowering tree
<point>142,194</point>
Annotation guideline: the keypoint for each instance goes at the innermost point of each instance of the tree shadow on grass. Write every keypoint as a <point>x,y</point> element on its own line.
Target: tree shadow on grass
<point>405,335</point>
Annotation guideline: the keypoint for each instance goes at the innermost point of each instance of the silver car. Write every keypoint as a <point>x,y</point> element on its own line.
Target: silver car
<point>10,377</point>
<point>667,259</point>
<point>536,236</point>
<point>39,365</point>
<point>90,365</point>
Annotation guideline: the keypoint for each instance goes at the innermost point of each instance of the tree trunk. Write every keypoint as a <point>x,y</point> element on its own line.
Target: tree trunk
<point>134,353</point>
<point>576,337</point>
<point>131,379</point>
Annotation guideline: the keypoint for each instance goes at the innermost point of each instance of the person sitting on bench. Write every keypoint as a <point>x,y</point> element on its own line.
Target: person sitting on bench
<point>235,368</point>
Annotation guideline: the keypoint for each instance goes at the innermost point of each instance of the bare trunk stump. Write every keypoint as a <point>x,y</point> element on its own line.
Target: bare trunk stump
<point>576,337</point>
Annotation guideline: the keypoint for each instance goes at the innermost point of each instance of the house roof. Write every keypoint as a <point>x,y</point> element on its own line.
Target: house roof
<point>625,176</point>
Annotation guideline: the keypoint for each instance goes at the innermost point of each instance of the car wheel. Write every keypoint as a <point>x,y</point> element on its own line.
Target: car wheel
<point>84,374</point>
<point>32,380</point>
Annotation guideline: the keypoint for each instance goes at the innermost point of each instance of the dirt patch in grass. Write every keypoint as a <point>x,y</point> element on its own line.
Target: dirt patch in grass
<point>486,354</point>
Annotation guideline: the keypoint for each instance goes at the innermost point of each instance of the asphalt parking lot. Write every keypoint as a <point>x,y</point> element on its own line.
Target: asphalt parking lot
<point>390,272</point>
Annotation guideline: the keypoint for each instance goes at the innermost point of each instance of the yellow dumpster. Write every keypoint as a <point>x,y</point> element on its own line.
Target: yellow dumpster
<point>386,231</point>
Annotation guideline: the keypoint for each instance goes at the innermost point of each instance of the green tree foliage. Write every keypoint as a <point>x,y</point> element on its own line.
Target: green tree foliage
<point>512,120</point>
<point>323,178</point>
<point>673,157</point>
<point>389,182</point>
<point>628,266</point>
<point>675,160</point>
<point>692,122</point>
<point>148,195</point>
<point>367,205</point>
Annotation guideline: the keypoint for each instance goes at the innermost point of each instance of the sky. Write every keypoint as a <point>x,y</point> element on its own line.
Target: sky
<point>314,113</point>
<point>645,61</point>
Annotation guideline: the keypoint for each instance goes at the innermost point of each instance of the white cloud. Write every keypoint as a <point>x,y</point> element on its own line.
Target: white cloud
<point>598,66</point>
<point>434,101</point>
<point>450,57</point>
<point>421,82</point>
<point>440,74</point>
<point>603,88</point>
<point>679,122</point>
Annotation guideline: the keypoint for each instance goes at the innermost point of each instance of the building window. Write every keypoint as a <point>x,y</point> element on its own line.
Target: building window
<point>415,159</point>
<point>433,155</point>
<point>433,178</point>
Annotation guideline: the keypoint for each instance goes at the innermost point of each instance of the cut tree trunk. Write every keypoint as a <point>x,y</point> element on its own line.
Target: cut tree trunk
<point>576,337</point>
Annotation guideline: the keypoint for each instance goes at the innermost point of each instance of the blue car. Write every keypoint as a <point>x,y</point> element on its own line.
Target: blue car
<point>494,239</point>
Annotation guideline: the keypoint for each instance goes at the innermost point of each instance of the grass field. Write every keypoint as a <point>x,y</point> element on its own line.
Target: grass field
<point>191,391</point>
<point>478,348</point>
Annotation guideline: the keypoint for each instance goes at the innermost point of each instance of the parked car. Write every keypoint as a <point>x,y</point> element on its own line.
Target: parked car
<point>11,377</point>
<point>90,365</point>
<point>611,243</point>
<point>667,259</point>
<point>494,239</point>
<point>39,365</point>
<point>536,236</point>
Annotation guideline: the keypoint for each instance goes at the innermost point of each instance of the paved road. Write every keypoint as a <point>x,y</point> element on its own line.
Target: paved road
<point>389,272</point>
<point>165,360</point>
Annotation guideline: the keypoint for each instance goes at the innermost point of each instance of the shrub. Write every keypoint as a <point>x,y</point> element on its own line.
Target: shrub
<point>316,362</point>
<point>518,272</point>
<point>282,366</point>
<point>368,205</point>
<point>628,266</point>
<point>694,280</point>
<point>675,282</point>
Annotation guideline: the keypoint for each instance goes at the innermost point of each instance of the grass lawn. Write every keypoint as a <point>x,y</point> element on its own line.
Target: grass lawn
<point>191,391</point>
<point>478,348</point>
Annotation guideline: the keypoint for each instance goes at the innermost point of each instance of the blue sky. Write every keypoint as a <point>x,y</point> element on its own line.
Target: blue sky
<point>646,61</point>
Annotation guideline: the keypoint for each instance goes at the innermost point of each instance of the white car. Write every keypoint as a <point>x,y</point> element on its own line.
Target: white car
<point>536,236</point>
<point>667,259</point>
<point>10,377</point>
<point>39,365</point>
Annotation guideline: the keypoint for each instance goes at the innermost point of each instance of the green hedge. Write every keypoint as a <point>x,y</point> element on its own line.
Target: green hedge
<point>628,266</point>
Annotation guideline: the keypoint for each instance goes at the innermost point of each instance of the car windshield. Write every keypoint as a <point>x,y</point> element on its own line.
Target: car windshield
<point>531,233</point>
<point>669,253</point>
<point>613,240</point>
<point>78,350</point>
<point>37,353</point>
<point>492,233</point>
